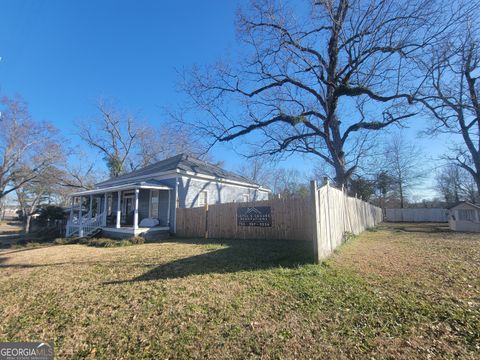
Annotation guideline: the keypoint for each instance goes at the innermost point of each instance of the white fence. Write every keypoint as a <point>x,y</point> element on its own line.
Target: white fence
<point>336,214</point>
<point>417,215</point>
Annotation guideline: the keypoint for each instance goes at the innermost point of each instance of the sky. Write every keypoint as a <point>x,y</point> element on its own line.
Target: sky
<point>62,56</point>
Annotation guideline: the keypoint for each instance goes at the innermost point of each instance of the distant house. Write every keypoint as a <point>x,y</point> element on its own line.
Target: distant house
<point>144,201</point>
<point>464,216</point>
<point>8,212</point>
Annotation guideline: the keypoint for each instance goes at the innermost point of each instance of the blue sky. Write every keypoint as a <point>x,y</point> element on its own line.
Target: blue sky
<point>62,56</point>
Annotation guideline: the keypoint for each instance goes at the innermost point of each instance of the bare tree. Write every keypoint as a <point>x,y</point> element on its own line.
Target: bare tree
<point>258,169</point>
<point>33,194</point>
<point>114,135</point>
<point>455,184</point>
<point>320,76</point>
<point>78,176</point>
<point>289,183</point>
<point>403,164</point>
<point>171,139</point>
<point>76,172</point>
<point>452,95</point>
<point>27,147</point>
<point>127,144</point>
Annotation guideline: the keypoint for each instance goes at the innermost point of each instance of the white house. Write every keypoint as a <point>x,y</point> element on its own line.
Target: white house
<point>464,216</point>
<point>144,201</point>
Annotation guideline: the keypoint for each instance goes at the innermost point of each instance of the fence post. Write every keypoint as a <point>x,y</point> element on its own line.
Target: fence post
<point>206,221</point>
<point>315,218</point>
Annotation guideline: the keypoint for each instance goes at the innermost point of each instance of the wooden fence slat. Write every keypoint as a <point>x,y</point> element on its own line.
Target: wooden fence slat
<point>324,218</point>
<point>290,221</point>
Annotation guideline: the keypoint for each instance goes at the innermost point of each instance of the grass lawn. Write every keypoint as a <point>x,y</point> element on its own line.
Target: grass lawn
<point>400,291</point>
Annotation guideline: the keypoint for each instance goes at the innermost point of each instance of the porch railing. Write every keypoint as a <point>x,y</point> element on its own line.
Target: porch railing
<point>88,225</point>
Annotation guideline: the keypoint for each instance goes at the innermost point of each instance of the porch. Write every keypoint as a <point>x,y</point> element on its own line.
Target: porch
<point>126,210</point>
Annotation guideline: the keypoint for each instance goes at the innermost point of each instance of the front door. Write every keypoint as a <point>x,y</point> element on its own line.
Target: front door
<point>127,210</point>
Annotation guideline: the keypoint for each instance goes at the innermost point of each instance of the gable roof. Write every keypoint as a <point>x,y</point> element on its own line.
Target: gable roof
<point>182,163</point>
<point>461,203</point>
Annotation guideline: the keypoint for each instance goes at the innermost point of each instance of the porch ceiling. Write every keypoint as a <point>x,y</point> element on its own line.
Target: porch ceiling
<point>150,184</point>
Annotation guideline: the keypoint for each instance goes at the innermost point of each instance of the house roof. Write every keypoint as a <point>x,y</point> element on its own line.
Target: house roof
<point>149,184</point>
<point>182,163</point>
<point>463,202</point>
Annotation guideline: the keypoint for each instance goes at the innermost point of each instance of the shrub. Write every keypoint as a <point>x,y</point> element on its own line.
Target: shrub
<point>102,242</point>
<point>47,234</point>
<point>70,241</point>
<point>137,240</point>
<point>50,213</point>
<point>60,241</point>
<point>347,236</point>
<point>26,244</point>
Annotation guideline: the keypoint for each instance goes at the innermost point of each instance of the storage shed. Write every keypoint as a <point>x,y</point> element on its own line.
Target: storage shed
<point>464,216</point>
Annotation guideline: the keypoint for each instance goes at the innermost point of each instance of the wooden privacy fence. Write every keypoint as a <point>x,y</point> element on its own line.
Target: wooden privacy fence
<point>291,220</point>
<point>417,215</point>
<point>335,214</point>
<point>324,218</point>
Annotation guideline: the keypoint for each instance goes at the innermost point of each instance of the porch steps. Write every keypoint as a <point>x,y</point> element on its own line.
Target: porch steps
<point>92,233</point>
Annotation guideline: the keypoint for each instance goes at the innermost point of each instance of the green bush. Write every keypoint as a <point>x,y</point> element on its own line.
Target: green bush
<point>50,213</point>
<point>348,236</point>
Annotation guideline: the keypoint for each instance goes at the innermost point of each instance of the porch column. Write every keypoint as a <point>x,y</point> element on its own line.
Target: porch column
<point>71,209</point>
<point>105,209</point>
<point>80,218</point>
<point>168,210</point>
<point>135,212</point>
<point>119,211</point>
<point>99,204</point>
<point>90,206</point>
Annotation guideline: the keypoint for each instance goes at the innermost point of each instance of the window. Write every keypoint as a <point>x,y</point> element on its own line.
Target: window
<point>154,194</point>
<point>466,215</point>
<point>246,198</point>
<point>202,198</point>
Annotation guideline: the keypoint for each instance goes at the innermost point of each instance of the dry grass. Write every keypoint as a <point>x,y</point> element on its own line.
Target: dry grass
<point>10,227</point>
<point>396,292</point>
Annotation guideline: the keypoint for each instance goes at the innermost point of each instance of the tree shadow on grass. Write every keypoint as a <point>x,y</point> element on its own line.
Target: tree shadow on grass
<point>5,255</point>
<point>230,256</point>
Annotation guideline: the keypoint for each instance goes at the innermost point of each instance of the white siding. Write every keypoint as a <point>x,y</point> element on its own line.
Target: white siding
<point>218,193</point>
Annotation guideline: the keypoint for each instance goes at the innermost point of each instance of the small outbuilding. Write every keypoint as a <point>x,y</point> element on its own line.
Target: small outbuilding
<point>464,216</point>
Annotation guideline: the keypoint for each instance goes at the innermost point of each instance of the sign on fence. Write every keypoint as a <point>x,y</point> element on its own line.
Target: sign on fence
<point>254,216</point>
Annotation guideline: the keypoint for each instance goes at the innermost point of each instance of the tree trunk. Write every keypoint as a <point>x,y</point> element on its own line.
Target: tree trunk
<point>28,221</point>
<point>340,175</point>
<point>400,189</point>
<point>477,181</point>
